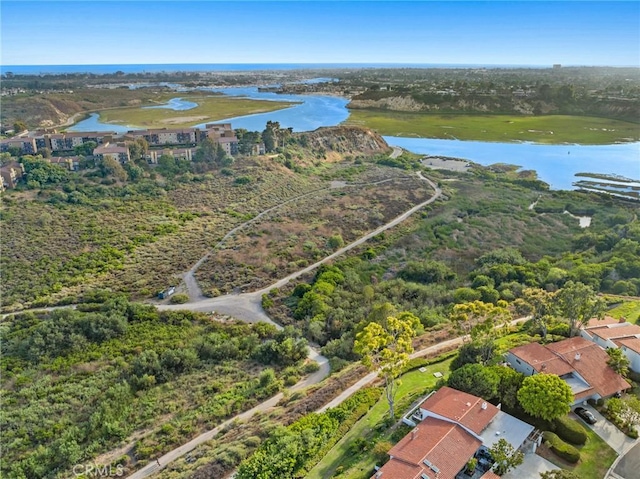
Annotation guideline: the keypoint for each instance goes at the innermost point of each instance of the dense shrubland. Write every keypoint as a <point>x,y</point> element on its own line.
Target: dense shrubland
<point>75,383</point>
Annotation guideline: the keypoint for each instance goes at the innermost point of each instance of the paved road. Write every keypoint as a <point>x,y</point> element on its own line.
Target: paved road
<point>628,466</point>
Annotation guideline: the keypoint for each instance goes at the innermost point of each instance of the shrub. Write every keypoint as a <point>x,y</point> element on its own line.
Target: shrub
<point>180,298</point>
<point>570,430</point>
<point>561,448</point>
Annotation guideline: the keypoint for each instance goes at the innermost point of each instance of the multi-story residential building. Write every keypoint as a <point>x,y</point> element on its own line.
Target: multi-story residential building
<point>27,145</point>
<point>10,174</point>
<point>178,153</point>
<point>164,136</point>
<point>117,152</point>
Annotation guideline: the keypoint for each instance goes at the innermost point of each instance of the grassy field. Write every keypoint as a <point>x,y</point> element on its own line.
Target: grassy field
<point>360,464</point>
<point>551,129</point>
<point>210,108</point>
<point>595,458</point>
<point>630,310</point>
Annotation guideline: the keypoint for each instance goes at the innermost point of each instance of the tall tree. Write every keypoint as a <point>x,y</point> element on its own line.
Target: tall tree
<point>19,126</point>
<point>480,319</point>
<point>578,303</point>
<point>386,349</point>
<point>475,379</point>
<point>506,457</point>
<point>618,361</point>
<point>545,396</point>
<point>542,306</point>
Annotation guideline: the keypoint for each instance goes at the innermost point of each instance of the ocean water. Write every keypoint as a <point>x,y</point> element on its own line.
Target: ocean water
<point>239,67</point>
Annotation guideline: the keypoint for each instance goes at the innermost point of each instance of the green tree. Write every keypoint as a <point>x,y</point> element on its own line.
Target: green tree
<point>545,396</point>
<point>475,379</point>
<point>138,148</point>
<point>509,385</point>
<point>386,349</point>
<point>541,305</point>
<point>479,318</point>
<point>578,303</point>
<point>19,126</point>
<point>506,457</point>
<point>618,361</point>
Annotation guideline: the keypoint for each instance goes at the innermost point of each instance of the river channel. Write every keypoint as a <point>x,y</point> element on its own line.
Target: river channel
<point>555,164</point>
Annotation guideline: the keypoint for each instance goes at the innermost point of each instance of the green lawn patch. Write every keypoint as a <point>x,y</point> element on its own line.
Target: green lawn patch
<point>550,129</point>
<point>630,310</point>
<point>596,456</point>
<point>210,108</point>
<point>371,429</point>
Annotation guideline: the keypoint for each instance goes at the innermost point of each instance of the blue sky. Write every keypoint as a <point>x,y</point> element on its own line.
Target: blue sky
<point>496,32</point>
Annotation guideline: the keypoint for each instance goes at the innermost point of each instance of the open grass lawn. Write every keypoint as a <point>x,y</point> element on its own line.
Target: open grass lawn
<point>595,458</point>
<point>210,108</point>
<point>550,129</point>
<point>629,310</point>
<point>359,464</point>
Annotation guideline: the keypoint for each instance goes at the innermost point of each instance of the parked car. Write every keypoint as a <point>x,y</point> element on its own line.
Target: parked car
<point>585,415</point>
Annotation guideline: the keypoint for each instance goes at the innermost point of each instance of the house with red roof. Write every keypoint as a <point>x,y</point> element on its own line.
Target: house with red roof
<point>451,427</point>
<point>580,363</point>
<point>613,333</point>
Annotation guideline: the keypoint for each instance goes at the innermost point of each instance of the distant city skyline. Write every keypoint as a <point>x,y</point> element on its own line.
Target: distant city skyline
<point>417,32</point>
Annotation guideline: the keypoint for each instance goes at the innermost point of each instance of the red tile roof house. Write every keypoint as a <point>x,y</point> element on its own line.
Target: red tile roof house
<point>581,363</point>
<point>453,427</point>
<point>613,333</point>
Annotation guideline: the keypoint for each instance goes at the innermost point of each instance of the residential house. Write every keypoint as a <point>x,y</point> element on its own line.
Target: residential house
<point>613,333</point>
<point>580,363</point>
<point>451,427</point>
<point>11,173</point>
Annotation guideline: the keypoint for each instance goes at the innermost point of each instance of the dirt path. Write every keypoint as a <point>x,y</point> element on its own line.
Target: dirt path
<point>248,307</point>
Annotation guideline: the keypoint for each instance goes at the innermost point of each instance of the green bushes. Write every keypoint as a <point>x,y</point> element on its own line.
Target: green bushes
<point>561,448</point>
<point>570,430</point>
<point>179,298</point>
<point>292,451</point>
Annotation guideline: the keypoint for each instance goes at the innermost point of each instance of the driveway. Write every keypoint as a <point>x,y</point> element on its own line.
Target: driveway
<point>531,467</point>
<point>618,441</point>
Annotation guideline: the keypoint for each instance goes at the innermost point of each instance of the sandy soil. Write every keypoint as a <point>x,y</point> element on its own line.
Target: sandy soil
<point>440,163</point>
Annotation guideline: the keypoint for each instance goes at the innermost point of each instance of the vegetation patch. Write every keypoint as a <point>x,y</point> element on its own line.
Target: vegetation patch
<point>550,129</point>
<point>210,109</point>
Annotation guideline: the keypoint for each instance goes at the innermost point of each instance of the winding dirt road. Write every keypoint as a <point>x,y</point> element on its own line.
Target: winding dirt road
<point>248,307</point>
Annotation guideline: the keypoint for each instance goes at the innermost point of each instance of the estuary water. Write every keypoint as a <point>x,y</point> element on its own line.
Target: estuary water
<point>555,164</point>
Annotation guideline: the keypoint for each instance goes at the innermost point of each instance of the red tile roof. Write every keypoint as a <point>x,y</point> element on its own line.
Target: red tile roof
<point>461,407</point>
<point>591,364</point>
<point>541,359</point>
<point>490,475</point>
<point>445,445</point>
<point>598,323</point>
<point>395,469</point>
<point>612,332</point>
<point>632,343</point>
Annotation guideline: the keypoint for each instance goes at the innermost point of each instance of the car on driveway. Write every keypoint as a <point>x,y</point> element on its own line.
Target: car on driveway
<point>585,415</point>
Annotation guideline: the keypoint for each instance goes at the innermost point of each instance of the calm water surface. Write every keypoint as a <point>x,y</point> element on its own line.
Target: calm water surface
<point>555,164</point>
